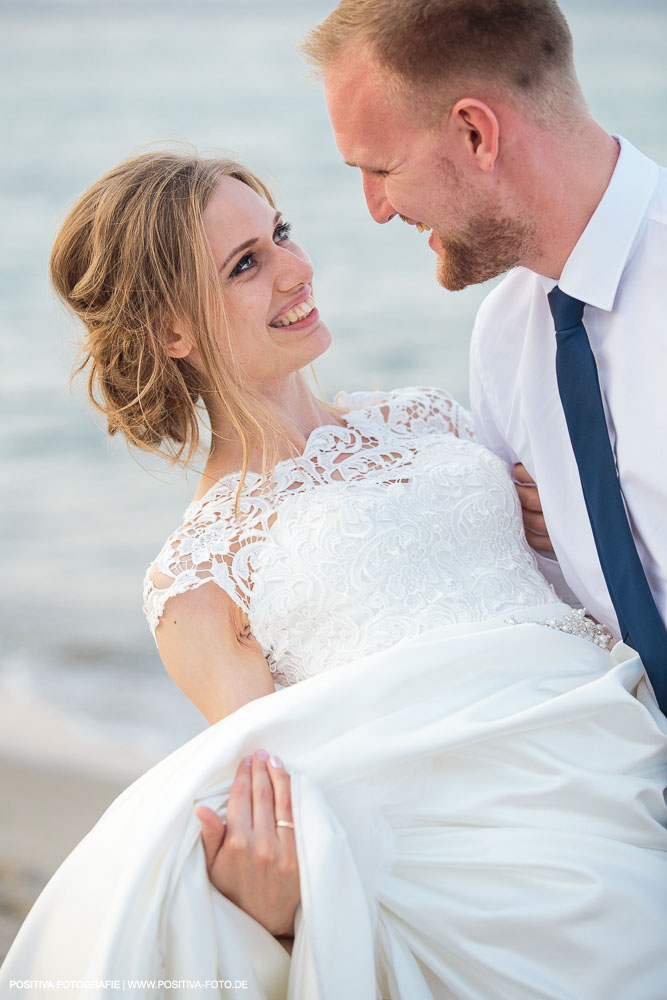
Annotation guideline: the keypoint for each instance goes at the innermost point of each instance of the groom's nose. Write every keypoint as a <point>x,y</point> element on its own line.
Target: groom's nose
<point>376,199</point>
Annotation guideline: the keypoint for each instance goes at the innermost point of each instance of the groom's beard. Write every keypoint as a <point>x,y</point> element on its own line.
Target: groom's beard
<point>488,246</point>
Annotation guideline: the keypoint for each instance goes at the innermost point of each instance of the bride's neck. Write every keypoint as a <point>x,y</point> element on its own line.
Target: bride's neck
<point>295,408</point>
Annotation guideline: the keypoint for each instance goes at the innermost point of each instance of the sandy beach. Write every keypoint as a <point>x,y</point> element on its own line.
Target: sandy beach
<point>55,785</point>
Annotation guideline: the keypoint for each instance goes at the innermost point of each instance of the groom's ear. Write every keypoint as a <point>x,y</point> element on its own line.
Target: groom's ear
<point>477,126</point>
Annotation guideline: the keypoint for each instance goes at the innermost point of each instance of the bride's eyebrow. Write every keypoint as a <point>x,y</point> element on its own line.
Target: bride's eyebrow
<point>245,245</point>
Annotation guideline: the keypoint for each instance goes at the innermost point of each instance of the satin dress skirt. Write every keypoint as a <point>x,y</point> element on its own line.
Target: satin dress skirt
<point>480,815</point>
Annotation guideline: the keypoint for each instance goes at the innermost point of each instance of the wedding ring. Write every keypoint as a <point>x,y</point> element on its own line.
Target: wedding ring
<point>287,823</point>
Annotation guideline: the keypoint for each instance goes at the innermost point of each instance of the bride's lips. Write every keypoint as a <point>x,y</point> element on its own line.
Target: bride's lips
<point>301,324</point>
<point>292,317</point>
<point>302,297</point>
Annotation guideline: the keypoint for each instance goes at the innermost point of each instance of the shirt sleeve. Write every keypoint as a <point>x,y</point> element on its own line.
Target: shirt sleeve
<point>490,433</point>
<point>485,419</point>
<point>549,567</point>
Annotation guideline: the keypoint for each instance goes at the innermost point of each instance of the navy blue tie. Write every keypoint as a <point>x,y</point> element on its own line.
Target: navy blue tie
<point>579,388</point>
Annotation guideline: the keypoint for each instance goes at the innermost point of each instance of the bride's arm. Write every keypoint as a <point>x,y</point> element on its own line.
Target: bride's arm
<point>207,649</point>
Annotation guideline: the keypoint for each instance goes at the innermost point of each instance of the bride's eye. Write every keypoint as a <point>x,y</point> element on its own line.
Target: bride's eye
<point>246,263</point>
<point>282,232</point>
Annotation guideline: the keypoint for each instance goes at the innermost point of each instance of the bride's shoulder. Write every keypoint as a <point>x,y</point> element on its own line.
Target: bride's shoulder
<point>411,408</point>
<point>202,549</point>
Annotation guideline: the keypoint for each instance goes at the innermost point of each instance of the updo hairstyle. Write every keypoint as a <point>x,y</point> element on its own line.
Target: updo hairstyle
<point>130,259</point>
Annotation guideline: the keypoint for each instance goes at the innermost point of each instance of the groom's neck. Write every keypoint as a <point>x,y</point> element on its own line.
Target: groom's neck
<point>564,186</point>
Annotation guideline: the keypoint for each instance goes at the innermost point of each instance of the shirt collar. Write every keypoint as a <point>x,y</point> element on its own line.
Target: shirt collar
<point>593,270</point>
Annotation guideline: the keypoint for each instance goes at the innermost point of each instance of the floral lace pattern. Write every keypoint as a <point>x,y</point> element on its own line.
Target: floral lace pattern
<point>383,528</point>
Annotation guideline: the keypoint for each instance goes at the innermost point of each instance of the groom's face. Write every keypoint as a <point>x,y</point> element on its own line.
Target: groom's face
<point>418,172</point>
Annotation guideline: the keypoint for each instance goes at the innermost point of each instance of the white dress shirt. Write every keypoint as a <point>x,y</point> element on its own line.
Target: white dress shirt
<point>619,269</point>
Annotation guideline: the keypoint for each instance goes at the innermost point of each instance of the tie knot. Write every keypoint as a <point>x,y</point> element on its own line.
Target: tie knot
<point>566,310</point>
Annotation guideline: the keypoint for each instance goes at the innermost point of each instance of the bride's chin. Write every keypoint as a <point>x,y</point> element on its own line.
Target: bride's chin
<point>319,343</point>
<point>312,343</point>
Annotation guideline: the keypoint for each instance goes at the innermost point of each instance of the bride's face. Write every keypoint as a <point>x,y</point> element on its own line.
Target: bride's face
<point>273,326</point>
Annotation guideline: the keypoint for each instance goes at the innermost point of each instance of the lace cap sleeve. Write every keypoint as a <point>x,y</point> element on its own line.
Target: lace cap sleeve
<point>415,409</point>
<point>210,546</point>
<point>435,409</point>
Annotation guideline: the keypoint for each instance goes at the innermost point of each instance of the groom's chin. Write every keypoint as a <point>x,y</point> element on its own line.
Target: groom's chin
<point>447,278</point>
<point>456,282</point>
<point>453,273</point>
<point>490,246</point>
<point>460,266</point>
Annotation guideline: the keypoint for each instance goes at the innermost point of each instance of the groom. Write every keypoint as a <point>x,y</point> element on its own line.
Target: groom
<point>466,116</point>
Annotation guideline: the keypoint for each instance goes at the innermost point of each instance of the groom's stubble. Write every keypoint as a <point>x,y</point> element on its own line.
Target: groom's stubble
<point>487,243</point>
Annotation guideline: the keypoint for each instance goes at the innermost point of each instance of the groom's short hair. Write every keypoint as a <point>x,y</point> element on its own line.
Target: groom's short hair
<point>523,46</point>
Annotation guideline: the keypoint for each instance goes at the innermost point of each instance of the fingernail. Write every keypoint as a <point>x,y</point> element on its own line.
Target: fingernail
<point>275,761</point>
<point>247,761</point>
<point>262,755</point>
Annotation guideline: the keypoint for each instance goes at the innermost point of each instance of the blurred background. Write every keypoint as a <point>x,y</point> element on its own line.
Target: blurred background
<point>84,84</point>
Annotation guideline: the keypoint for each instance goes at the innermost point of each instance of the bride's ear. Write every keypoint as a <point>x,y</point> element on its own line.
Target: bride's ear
<point>177,343</point>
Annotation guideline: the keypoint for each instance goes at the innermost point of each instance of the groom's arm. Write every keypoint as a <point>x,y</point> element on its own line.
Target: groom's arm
<point>489,432</point>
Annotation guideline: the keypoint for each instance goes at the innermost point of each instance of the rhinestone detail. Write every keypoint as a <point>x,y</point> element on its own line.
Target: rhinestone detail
<point>576,623</point>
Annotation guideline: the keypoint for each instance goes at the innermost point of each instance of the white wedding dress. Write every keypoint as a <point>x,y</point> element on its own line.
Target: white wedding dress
<point>478,794</point>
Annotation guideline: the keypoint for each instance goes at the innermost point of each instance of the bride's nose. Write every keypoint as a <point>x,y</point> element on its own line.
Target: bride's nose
<point>295,268</point>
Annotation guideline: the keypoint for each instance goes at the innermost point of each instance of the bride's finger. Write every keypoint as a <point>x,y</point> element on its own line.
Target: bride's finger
<point>212,832</point>
<point>282,794</point>
<point>239,806</point>
<point>263,807</point>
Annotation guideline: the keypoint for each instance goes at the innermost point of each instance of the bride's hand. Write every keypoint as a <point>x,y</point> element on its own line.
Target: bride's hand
<point>249,859</point>
<point>534,524</point>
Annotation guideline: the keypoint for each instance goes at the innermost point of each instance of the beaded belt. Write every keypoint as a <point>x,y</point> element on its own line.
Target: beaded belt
<point>576,623</point>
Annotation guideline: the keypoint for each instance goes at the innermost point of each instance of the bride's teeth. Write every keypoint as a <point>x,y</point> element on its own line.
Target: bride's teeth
<point>422,227</point>
<point>297,313</point>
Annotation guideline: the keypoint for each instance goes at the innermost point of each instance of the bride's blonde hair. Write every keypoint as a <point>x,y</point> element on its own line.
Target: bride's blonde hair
<point>130,259</point>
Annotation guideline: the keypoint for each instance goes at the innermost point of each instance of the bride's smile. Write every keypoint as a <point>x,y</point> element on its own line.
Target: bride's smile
<point>302,313</point>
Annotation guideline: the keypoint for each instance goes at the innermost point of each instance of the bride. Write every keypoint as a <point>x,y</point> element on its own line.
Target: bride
<point>473,779</point>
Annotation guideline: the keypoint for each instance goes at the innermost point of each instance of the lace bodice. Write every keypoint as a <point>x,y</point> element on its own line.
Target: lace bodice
<point>383,528</point>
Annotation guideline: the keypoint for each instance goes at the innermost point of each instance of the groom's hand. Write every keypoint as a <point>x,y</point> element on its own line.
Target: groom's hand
<point>248,858</point>
<point>531,510</point>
